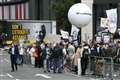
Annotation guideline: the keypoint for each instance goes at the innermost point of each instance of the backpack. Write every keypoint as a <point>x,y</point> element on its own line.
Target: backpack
<point>85,53</point>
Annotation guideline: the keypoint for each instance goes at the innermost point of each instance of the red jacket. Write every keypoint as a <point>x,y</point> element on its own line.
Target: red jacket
<point>38,52</point>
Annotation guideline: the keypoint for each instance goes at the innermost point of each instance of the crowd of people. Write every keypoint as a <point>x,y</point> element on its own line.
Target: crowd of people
<point>63,56</point>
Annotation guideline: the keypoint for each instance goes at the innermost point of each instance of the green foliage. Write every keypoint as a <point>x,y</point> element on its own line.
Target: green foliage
<point>61,7</point>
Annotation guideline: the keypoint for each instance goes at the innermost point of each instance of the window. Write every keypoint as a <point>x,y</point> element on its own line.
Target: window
<point>10,10</point>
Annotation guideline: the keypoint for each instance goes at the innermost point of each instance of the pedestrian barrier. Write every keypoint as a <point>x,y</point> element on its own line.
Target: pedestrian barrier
<point>106,67</point>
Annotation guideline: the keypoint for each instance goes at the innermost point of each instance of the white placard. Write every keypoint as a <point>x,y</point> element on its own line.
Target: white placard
<point>74,32</point>
<point>104,22</point>
<point>98,39</point>
<point>106,39</point>
<point>65,34</point>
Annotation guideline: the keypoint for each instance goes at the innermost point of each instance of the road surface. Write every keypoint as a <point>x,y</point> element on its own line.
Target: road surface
<point>28,72</point>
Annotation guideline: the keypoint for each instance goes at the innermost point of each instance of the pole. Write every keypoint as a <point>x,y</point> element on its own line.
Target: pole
<point>79,66</point>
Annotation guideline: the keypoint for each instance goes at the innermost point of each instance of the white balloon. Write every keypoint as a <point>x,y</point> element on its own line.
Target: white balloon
<point>79,15</point>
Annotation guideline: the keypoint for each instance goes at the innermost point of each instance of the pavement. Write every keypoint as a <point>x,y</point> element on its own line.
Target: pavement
<point>28,72</point>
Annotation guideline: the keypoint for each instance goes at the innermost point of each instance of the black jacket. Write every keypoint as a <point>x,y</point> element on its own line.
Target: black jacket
<point>14,56</point>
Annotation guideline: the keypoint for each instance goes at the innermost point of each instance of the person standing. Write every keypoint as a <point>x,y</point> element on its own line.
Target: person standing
<point>71,51</point>
<point>32,51</point>
<point>37,57</point>
<point>116,56</point>
<point>77,60</point>
<point>55,57</point>
<point>117,53</point>
<point>46,58</point>
<point>93,55</point>
<point>14,53</point>
<point>22,53</point>
<point>85,51</point>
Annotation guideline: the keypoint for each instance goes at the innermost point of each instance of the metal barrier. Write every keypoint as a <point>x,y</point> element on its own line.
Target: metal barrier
<point>107,67</point>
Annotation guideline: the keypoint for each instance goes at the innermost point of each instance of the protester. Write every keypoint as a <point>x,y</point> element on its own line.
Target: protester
<point>29,53</point>
<point>14,54</point>
<point>22,53</point>
<point>76,58</point>
<point>93,55</point>
<point>65,57</point>
<point>35,52</point>
<point>32,51</point>
<point>84,58</point>
<point>37,56</point>
<point>56,56</point>
<point>71,51</point>
<point>117,56</point>
<point>46,58</point>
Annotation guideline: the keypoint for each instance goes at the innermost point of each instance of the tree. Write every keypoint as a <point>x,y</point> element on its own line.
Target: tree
<point>61,8</point>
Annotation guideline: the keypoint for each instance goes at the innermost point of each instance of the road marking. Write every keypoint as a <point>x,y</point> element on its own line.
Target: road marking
<point>17,79</point>
<point>43,75</point>
<point>1,75</point>
<point>9,75</point>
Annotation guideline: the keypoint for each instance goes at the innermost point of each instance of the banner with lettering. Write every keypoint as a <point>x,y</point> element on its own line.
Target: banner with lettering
<point>27,29</point>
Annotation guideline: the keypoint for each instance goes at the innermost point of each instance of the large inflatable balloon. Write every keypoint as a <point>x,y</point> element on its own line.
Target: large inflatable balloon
<point>79,15</point>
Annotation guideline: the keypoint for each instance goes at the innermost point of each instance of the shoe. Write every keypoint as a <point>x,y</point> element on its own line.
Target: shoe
<point>12,70</point>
